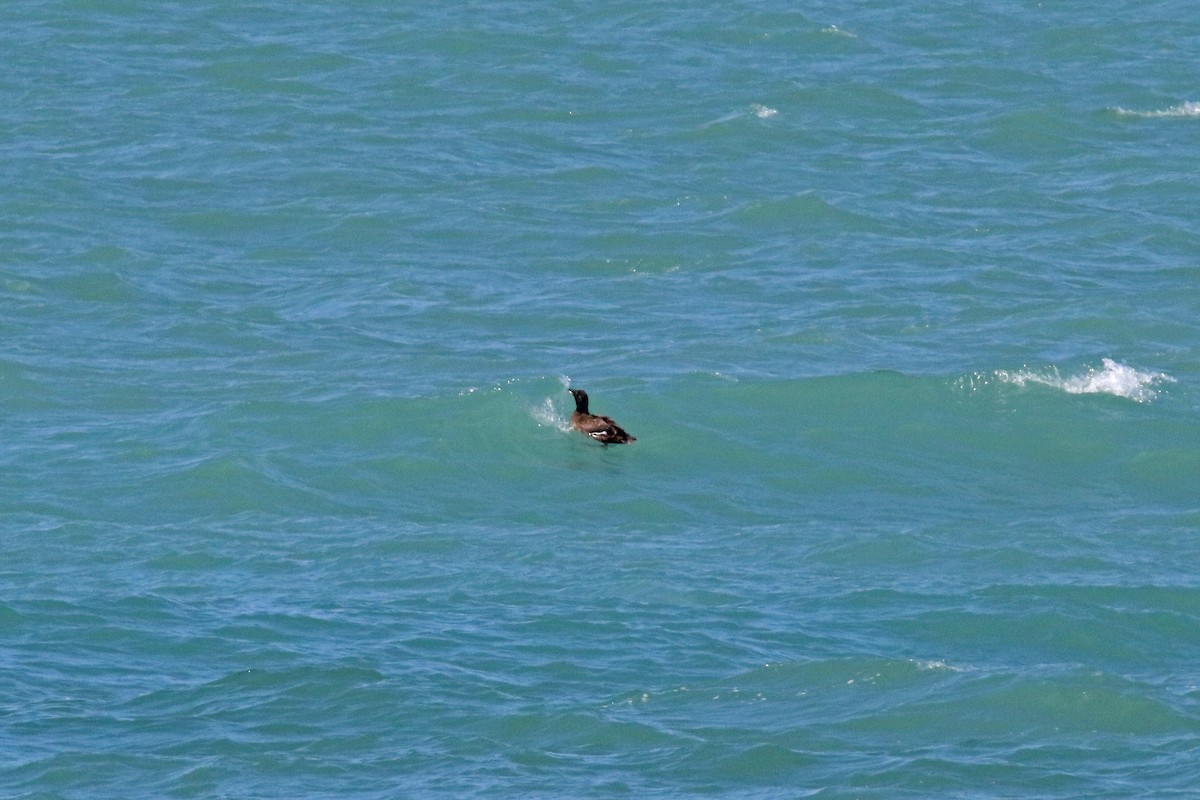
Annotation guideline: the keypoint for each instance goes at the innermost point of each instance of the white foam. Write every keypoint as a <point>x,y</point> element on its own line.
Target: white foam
<point>1189,109</point>
<point>763,112</point>
<point>547,416</point>
<point>1119,380</point>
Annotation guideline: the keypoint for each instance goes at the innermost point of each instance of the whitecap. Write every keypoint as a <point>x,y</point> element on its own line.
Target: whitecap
<point>1188,109</point>
<point>763,112</point>
<point>1114,378</point>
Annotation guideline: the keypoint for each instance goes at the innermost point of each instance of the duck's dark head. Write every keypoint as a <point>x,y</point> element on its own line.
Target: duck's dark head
<point>581,400</point>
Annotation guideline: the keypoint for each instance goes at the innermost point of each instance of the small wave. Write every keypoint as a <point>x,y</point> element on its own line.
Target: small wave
<point>834,30</point>
<point>537,397</point>
<point>757,109</point>
<point>1119,380</point>
<point>1189,109</point>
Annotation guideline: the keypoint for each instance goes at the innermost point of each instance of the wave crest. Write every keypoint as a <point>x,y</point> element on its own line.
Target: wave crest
<point>1114,378</point>
<point>1189,109</point>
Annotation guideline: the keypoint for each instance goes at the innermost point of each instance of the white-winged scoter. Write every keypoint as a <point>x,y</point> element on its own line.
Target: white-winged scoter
<point>602,429</point>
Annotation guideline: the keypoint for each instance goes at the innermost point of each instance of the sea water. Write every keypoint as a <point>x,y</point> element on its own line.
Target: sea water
<point>901,300</point>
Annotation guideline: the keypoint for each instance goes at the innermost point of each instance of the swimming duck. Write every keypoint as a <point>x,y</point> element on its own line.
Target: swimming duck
<point>602,429</point>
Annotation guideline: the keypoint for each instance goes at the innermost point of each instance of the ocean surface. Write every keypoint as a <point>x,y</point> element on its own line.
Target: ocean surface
<point>901,300</point>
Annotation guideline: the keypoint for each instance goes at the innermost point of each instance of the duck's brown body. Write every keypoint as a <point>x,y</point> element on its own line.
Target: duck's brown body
<point>602,429</point>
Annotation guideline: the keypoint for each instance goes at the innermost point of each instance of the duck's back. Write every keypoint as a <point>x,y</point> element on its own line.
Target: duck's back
<point>602,429</point>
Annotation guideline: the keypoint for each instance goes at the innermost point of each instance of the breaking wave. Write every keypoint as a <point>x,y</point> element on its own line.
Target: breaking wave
<point>1114,378</point>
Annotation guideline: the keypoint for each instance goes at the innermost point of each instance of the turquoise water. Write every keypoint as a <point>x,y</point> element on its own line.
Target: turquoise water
<point>902,302</point>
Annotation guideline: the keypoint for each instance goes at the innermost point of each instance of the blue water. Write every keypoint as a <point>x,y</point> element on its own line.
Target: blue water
<point>901,301</point>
